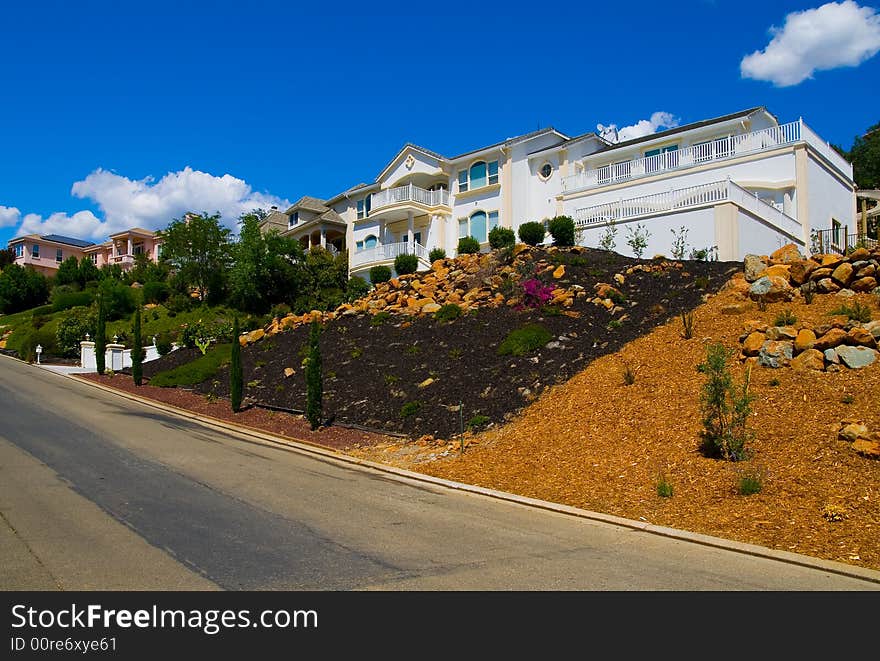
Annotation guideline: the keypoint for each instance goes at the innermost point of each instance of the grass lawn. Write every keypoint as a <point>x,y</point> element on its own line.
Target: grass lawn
<point>197,371</point>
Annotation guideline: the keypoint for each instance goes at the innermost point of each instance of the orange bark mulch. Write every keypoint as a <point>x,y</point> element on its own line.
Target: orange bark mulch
<point>598,444</point>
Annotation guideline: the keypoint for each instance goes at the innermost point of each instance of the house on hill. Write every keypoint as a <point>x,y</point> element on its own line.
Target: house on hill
<point>740,183</point>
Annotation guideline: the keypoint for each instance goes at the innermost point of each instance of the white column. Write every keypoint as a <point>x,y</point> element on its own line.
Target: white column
<point>382,232</point>
<point>323,237</point>
<point>451,235</point>
<point>129,246</point>
<point>409,229</point>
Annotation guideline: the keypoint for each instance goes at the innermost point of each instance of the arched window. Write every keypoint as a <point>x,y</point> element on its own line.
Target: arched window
<point>370,242</point>
<point>478,174</point>
<point>478,226</point>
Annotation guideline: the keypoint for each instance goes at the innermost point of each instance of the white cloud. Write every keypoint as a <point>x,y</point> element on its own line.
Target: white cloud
<point>658,120</point>
<point>9,216</point>
<point>147,203</point>
<point>837,34</point>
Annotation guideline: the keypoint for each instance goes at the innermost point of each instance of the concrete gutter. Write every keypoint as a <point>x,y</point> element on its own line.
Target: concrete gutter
<point>325,454</point>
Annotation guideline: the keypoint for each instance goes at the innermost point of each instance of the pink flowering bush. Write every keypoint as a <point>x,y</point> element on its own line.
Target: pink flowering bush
<point>536,293</point>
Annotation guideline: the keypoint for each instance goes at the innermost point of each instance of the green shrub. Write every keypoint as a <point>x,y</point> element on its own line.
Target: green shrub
<point>405,264</point>
<point>26,338</point>
<point>478,421</point>
<point>199,370</point>
<point>435,254</point>
<point>163,344</point>
<point>664,486</point>
<point>43,309</point>
<point>101,331</point>
<point>236,373</point>
<point>562,230</point>
<point>156,292</point>
<point>524,340</point>
<point>356,288</point>
<point>501,237</point>
<point>64,300</point>
<point>137,349</point>
<point>72,330</point>
<point>468,245</point>
<point>380,274</point>
<point>120,300</point>
<point>380,318</point>
<point>785,318</point>
<point>179,303</point>
<point>531,233</point>
<point>725,408</point>
<point>410,408</point>
<point>855,312</point>
<point>448,312</point>
<point>750,482</point>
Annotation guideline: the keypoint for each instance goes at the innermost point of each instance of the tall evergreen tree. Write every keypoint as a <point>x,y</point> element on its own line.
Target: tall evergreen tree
<point>101,330</point>
<point>236,377</point>
<point>137,349</point>
<point>314,378</point>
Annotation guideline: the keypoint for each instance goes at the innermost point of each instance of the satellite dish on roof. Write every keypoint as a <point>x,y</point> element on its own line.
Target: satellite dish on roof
<point>608,133</point>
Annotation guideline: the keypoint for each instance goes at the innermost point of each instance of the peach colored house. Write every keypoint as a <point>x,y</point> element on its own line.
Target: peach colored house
<point>122,248</point>
<point>46,253</point>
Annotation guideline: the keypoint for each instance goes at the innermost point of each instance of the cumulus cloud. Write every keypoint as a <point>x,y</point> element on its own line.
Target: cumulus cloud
<point>9,216</point>
<point>837,34</point>
<point>659,120</point>
<point>147,203</point>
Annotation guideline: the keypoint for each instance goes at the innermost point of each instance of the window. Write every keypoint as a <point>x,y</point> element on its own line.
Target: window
<point>138,249</point>
<point>835,231</point>
<point>359,245</point>
<point>59,256</point>
<point>404,237</point>
<point>94,258</point>
<point>294,219</point>
<point>661,159</point>
<point>363,208</point>
<point>545,171</point>
<point>479,175</point>
<point>35,251</point>
<point>19,250</point>
<point>478,225</point>
<point>370,242</point>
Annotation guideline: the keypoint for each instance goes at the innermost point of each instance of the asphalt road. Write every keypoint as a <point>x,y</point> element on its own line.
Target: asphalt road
<point>98,492</point>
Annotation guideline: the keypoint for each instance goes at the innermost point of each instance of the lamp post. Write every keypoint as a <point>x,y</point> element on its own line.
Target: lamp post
<point>39,351</point>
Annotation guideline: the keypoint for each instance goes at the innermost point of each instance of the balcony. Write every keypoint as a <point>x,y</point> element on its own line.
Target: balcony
<point>123,260</point>
<point>685,199</point>
<point>407,198</point>
<point>386,253</point>
<point>714,150</point>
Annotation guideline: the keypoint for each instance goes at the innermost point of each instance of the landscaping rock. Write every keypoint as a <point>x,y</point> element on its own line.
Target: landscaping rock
<point>431,308</point>
<point>289,372</point>
<point>833,338</point>
<point>865,284</point>
<point>856,357</point>
<point>873,327</point>
<point>846,293</point>
<point>866,448</point>
<point>819,273</point>
<point>850,431</point>
<point>860,337</point>
<point>775,353</point>
<point>772,289</point>
<point>753,343</point>
<point>827,286</point>
<point>843,273</point>
<point>831,356</point>
<point>753,265</point>
<point>810,359</point>
<point>787,254</point>
<point>805,340</point>
<point>559,272</point>
<point>781,333</point>
<point>800,271</point>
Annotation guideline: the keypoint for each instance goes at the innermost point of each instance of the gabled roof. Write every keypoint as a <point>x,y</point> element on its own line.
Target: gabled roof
<point>512,141</point>
<point>308,203</point>
<point>134,230</point>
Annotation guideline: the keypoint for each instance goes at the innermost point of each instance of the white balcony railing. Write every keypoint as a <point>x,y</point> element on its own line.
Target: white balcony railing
<point>713,150</point>
<point>387,252</point>
<point>684,199</point>
<point>409,193</point>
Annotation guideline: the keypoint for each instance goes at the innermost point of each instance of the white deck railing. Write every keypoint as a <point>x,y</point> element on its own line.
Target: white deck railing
<point>713,150</point>
<point>409,193</point>
<point>387,252</point>
<point>684,199</point>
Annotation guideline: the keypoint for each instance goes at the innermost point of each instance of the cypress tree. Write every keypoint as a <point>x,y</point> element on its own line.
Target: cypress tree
<point>314,378</point>
<point>137,349</point>
<point>101,332</point>
<point>236,378</point>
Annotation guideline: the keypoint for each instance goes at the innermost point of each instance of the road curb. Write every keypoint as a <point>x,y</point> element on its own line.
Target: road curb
<point>326,454</point>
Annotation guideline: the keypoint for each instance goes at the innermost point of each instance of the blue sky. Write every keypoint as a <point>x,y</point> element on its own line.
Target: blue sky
<point>118,114</point>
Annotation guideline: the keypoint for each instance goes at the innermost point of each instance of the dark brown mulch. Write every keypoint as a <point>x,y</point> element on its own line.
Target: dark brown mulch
<point>371,372</point>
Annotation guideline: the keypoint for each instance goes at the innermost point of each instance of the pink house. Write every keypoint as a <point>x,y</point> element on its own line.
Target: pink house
<point>46,253</point>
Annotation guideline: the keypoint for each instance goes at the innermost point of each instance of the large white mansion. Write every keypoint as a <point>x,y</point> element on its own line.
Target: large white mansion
<point>741,183</point>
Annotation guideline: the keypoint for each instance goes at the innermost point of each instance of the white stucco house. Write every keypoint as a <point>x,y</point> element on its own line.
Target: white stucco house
<point>741,183</point>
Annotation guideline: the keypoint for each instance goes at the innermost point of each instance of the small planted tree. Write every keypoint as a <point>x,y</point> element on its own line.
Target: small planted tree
<point>725,407</point>
<point>468,245</point>
<point>608,240</point>
<point>406,263</point>
<point>380,274</point>
<point>435,254</point>
<point>679,242</point>
<point>637,239</point>
<point>137,349</point>
<point>101,331</point>
<point>236,376</point>
<point>501,237</point>
<point>314,377</point>
<point>562,230</point>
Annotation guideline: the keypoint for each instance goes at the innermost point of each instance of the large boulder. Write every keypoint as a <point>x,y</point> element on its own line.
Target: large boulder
<point>811,359</point>
<point>860,337</point>
<point>775,353</point>
<point>787,254</point>
<point>753,343</point>
<point>842,274</point>
<point>772,289</point>
<point>827,286</point>
<point>856,357</point>
<point>800,271</point>
<point>833,338</point>
<point>805,340</point>
<point>753,265</point>
<point>866,284</point>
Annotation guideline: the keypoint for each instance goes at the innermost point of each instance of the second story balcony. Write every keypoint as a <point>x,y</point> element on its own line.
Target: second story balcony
<point>407,198</point>
<point>718,149</point>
